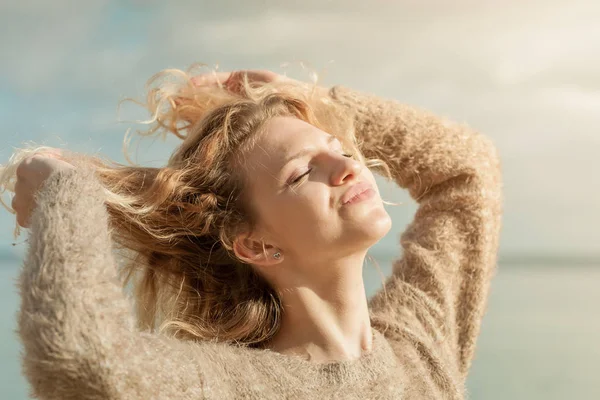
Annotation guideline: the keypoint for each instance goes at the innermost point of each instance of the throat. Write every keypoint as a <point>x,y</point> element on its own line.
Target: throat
<point>319,353</point>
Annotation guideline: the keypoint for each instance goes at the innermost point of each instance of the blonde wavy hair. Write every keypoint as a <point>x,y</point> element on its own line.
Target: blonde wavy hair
<point>177,223</point>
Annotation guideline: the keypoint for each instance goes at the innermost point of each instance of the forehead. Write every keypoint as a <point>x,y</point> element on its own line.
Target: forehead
<point>282,137</point>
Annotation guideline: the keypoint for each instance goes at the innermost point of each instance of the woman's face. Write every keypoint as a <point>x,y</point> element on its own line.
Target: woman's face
<point>298,176</point>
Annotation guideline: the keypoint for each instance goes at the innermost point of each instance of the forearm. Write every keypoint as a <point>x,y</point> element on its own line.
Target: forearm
<point>421,149</point>
<point>72,305</point>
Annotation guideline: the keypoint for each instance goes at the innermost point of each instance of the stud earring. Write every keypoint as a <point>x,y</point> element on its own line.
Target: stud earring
<point>277,255</point>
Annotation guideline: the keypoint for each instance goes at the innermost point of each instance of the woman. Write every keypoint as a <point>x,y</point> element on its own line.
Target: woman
<point>249,247</point>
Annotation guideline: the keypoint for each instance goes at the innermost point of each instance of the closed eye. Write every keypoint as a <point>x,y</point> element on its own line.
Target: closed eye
<point>298,179</point>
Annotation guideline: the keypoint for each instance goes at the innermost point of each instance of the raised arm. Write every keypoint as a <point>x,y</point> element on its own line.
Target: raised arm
<point>439,287</point>
<point>78,334</point>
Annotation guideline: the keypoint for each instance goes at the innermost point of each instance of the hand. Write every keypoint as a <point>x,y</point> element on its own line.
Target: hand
<point>32,172</point>
<point>232,81</point>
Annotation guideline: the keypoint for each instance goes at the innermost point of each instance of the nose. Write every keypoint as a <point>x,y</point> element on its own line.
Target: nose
<point>346,169</point>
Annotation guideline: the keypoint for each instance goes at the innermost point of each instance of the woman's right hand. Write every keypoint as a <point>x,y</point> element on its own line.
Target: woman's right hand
<point>232,81</point>
<point>32,172</point>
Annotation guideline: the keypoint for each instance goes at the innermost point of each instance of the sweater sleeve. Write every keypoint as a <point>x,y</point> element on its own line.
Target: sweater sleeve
<point>438,290</point>
<point>75,323</point>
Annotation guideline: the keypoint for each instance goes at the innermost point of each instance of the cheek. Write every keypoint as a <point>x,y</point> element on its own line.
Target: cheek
<point>306,214</point>
<point>303,219</point>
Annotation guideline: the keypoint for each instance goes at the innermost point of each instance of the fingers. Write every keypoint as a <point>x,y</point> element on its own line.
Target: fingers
<point>232,81</point>
<point>20,202</point>
<point>263,75</point>
<point>211,78</point>
<point>14,204</point>
<point>24,165</point>
<point>31,172</point>
<point>28,167</point>
<point>23,219</point>
<point>22,210</point>
<point>229,80</point>
<point>50,152</point>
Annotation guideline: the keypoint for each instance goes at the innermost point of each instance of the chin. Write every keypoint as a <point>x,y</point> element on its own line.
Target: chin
<point>381,225</point>
<point>375,227</point>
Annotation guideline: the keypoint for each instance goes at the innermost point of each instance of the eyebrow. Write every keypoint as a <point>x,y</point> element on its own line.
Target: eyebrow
<point>304,152</point>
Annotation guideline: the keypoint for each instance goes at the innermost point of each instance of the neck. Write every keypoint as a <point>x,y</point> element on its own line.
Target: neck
<point>327,319</point>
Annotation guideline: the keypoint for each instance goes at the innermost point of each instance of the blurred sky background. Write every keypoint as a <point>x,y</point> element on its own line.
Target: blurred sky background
<point>526,73</point>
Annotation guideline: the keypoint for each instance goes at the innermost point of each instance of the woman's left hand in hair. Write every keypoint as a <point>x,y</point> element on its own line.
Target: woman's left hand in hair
<point>32,172</point>
<point>232,80</point>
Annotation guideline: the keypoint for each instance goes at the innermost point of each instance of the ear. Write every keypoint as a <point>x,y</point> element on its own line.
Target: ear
<point>254,251</point>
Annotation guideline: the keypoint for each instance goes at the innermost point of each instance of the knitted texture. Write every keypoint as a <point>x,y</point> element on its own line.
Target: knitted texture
<point>78,332</point>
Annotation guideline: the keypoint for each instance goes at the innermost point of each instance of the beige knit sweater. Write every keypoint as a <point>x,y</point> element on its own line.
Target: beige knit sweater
<point>79,337</point>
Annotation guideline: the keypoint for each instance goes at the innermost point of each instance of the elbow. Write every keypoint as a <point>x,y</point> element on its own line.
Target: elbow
<point>63,375</point>
<point>491,153</point>
<point>58,362</point>
<point>492,167</point>
<point>486,177</point>
<point>483,161</point>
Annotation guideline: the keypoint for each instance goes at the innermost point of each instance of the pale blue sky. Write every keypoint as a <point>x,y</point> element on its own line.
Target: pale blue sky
<point>524,73</point>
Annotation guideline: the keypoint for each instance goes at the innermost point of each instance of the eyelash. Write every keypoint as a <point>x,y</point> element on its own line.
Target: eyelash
<point>298,179</point>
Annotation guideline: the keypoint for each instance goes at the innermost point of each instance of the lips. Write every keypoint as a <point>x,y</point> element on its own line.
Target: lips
<point>355,190</point>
